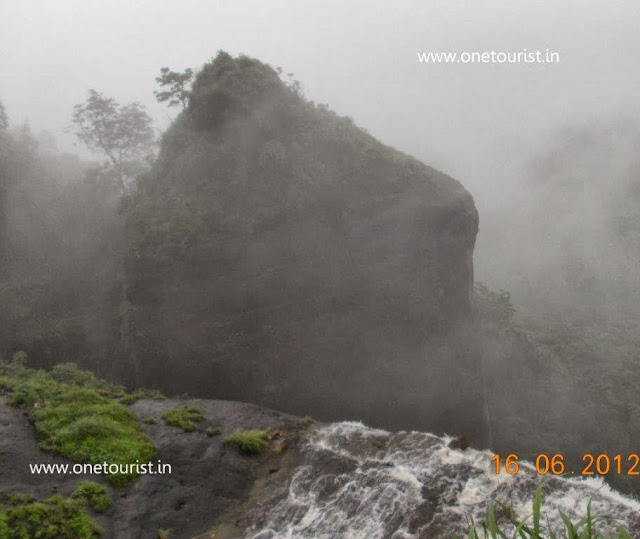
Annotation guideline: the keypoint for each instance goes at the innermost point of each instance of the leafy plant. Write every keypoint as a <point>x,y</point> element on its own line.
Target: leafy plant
<point>583,529</point>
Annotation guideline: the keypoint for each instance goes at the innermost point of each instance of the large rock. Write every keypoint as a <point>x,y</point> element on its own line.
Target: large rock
<point>281,255</point>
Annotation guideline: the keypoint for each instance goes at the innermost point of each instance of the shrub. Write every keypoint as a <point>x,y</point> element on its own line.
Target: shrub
<point>184,418</point>
<point>94,495</point>
<point>248,441</point>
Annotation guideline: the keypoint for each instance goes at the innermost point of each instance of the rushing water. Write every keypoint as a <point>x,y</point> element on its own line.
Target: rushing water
<point>357,482</point>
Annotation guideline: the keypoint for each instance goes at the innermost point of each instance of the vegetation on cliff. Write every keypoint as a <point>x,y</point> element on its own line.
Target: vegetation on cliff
<point>248,150</point>
<point>558,386</point>
<point>78,416</point>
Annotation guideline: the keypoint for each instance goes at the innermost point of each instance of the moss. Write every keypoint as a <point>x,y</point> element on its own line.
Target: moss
<point>54,518</point>
<point>184,417</point>
<point>94,495</point>
<point>213,431</point>
<point>248,441</point>
<point>149,421</point>
<point>74,418</point>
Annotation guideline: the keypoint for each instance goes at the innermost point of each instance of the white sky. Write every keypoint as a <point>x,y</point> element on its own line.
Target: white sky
<point>475,122</point>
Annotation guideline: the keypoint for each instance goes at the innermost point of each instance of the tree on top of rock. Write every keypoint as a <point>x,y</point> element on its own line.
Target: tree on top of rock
<point>122,133</point>
<point>178,92</point>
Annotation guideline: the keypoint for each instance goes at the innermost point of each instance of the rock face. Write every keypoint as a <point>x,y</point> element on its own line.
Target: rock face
<point>281,255</point>
<point>208,480</point>
<point>319,480</point>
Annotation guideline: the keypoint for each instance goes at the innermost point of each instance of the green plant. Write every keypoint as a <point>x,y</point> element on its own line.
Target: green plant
<point>308,420</point>
<point>94,495</point>
<point>164,533</point>
<point>149,421</point>
<point>213,431</point>
<point>54,518</point>
<point>72,418</point>
<point>583,529</point>
<point>139,394</point>
<point>19,358</point>
<point>184,417</point>
<point>248,441</point>
<point>20,497</point>
<point>69,373</point>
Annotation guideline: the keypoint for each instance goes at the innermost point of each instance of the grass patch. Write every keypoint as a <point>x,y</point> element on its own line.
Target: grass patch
<point>248,441</point>
<point>138,394</point>
<point>184,418</point>
<point>77,416</point>
<point>214,431</point>
<point>94,495</point>
<point>532,527</point>
<point>149,421</point>
<point>308,420</point>
<point>23,517</point>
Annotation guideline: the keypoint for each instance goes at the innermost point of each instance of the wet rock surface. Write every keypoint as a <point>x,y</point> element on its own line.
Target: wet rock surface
<point>207,479</point>
<point>320,480</point>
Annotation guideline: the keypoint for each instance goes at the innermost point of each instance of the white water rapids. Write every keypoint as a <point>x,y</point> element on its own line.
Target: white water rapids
<point>356,482</point>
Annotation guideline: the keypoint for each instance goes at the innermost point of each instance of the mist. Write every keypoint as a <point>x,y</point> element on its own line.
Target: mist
<point>329,226</point>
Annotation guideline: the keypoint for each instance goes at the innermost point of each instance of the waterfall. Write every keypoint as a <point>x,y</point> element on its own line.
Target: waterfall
<point>358,482</point>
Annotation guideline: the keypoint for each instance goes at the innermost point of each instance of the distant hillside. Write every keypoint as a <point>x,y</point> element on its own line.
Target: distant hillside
<point>280,254</point>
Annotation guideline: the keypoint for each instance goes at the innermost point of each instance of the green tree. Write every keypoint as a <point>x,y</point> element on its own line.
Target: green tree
<point>178,84</point>
<point>122,133</point>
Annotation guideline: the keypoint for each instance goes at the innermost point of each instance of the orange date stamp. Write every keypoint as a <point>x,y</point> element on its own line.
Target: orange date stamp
<point>554,464</point>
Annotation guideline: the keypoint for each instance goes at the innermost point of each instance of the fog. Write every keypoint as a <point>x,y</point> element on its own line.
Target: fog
<point>475,122</point>
<point>550,153</point>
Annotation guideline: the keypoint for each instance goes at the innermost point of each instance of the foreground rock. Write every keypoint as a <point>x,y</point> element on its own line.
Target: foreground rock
<point>335,480</point>
<point>207,479</point>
